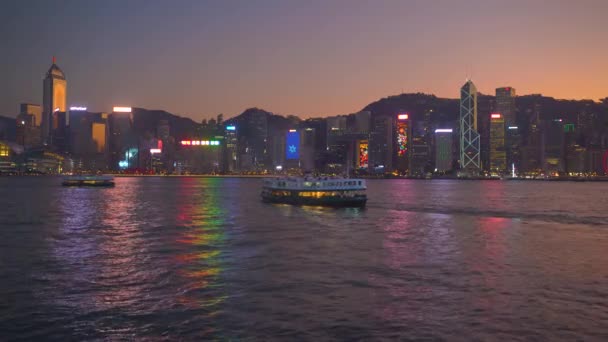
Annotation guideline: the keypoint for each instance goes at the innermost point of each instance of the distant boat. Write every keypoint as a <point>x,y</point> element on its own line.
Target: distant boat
<point>88,180</point>
<point>319,191</point>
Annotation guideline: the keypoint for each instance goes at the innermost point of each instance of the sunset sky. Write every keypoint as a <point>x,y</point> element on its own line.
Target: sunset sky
<point>308,58</point>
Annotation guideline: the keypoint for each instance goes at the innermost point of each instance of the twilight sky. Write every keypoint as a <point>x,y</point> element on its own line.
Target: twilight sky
<point>199,58</point>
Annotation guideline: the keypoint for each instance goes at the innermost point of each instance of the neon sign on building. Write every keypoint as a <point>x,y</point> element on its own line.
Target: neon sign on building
<point>292,145</point>
<point>363,154</point>
<point>402,134</point>
<point>200,143</point>
<point>122,109</point>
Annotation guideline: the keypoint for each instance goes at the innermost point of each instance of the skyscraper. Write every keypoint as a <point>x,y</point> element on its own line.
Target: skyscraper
<point>498,161</point>
<point>443,149</point>
<point>505,105</point>
<point>469,137</point>
<point>54,98</point>
<point>230,149</point>
<point>381,144</point>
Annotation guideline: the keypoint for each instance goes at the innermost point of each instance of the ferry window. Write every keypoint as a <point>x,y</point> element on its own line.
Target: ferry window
<point>359,182</point>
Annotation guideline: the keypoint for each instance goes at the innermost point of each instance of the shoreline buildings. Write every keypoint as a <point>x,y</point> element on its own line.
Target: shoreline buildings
<point>408,134</point>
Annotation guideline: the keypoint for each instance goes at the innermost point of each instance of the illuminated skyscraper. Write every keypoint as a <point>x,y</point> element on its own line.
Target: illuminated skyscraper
<point>498,162</point>
<point>54,99</point>
<point>469,137</point>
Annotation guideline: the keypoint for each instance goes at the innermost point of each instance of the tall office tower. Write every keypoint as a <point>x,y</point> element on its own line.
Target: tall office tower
<point>381,144</point>
<point>585,126</point>
<point>337,144</point>
<point>532,148</point>
<point>469,137</point>
<point>319,127</point>
<point>276,148</point>
<point>485,107</point>
<point>443,149</point>
<point>336,127</point>
<point>553,146</point>
<point>569,149</point>
<point>498,161</point>
<point>505,105</point>
<point>307,150</point>
<point>419,150</point>
<point>258,140</point>
<point>54,100</point>
<point>230,149</point>
<point>122,142</point>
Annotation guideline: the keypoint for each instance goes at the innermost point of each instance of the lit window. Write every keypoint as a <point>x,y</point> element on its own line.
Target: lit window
<point>4,150</point>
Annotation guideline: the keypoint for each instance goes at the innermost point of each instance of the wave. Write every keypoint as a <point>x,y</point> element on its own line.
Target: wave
<point>557,217</point>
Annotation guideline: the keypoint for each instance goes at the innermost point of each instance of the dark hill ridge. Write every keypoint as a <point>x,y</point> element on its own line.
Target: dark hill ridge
<point>444,110</point>
<point>146,121</point>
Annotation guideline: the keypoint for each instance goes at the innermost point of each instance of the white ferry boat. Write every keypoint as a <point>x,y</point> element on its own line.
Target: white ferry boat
<point>88,180</point>
<point>323,191</point>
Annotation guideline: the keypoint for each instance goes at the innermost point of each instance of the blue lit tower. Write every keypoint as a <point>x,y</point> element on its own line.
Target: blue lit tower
<point>469,136</point>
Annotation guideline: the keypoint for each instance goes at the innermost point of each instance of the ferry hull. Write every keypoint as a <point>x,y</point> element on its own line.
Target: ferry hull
<point>88,183</point>
<point>355,202</point>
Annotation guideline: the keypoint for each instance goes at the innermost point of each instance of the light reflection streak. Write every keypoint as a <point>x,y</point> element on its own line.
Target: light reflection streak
<point>123,266</point>
<point>201,219</point>
<point>100,244</point>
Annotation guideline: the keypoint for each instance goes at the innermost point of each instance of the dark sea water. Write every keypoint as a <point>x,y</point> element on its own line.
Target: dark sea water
<point>203,258</point>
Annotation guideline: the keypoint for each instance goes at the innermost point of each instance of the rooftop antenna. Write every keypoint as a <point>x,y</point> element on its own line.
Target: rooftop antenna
<point>471,76</point>
<point>469,72</point>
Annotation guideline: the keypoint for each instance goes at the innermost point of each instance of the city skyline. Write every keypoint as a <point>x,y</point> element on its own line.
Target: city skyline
<point>199,68</point>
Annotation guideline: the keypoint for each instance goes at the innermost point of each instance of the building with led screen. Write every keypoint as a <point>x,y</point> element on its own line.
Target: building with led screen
<point>362,154</point>
<point>292,145</point>
<point>403,137</point>
<point>200,156</point>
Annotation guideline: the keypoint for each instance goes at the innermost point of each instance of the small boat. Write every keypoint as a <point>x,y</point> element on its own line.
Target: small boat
<point>88,180</point>
<point>319,191</point>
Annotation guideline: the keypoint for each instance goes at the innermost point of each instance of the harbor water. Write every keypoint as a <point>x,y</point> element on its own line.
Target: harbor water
<point>179,258</point>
